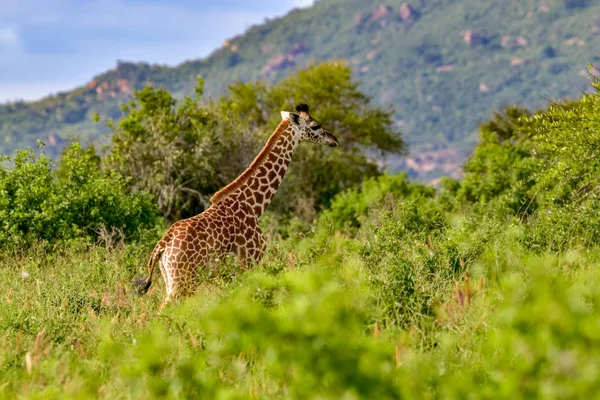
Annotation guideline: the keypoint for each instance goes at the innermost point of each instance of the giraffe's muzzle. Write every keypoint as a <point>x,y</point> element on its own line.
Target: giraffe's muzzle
<point>331,140</point>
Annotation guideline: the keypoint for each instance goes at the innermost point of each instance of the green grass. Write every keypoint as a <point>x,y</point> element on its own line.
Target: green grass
<point>315,319</point>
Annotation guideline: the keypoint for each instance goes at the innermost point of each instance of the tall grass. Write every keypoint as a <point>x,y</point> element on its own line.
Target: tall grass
<point>456,309</point>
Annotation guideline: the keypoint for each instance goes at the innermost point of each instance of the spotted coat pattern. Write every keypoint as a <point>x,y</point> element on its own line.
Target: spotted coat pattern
<point>230,224</point>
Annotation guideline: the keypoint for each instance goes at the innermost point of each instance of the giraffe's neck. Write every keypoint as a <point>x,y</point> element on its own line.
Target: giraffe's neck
<point>256,186</point>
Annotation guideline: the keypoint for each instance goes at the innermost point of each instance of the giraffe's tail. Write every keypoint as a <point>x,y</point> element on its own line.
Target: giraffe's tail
<point>141,285</point>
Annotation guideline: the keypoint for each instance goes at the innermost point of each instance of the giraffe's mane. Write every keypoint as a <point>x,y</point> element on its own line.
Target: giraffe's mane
<point>258,161</point>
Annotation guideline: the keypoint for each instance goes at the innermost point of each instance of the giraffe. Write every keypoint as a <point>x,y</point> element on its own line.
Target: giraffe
<point>230,224</point>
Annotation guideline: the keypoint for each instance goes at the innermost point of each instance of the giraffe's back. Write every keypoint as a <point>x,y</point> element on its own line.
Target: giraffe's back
<point>195,239</point>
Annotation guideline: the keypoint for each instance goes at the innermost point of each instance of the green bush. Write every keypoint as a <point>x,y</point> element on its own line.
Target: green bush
<point>567,142</point>
<point>539,167</point>
<point>408,260</point>
<point>512,324</point>
<point>350,207</point>
<point>42,201</point>
<point>539,338</point>
<point>171,151</point>
<point>498,175</point>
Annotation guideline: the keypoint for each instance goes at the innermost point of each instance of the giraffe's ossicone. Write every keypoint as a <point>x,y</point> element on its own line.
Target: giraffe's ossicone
<point>230,224</point>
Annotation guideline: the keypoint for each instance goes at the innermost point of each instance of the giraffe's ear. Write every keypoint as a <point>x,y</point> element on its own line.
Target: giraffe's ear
<point>292,116</point>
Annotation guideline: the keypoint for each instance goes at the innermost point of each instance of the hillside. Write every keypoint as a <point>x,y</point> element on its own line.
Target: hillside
<point>443,65</point>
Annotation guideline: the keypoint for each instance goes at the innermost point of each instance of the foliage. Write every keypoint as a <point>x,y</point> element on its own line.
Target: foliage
<point>317,173</point>
<point>41,202</point>
<point>567,186</point>
<point>350,207</point>
<point>538,166</point>
<point>499,171</point>
<point>184,153</point>
<point>508,322</point>
<point>567,140</point>
<point>440,86</point>
<point>170,151</point>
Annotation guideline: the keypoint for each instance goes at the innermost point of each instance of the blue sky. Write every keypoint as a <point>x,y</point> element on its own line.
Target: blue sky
<point>53,45</point>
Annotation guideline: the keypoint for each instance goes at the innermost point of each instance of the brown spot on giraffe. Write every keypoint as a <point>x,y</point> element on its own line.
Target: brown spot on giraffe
<point>230,224</point>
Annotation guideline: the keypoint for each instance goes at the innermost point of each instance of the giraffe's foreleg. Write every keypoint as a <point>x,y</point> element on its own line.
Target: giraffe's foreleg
<point>260,248</point>
<point>242,256</point>
<point>255,250</point>
<point>166,301</point>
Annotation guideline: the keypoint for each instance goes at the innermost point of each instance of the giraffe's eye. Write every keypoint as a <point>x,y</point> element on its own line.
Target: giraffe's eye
<point>315,127</point>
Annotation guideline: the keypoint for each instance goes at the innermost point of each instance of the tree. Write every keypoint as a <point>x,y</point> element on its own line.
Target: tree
<point>566,141</point>
<point>183,153</point>
<point>317,173</point>
<point>170,150</point>
<point>500,168</point>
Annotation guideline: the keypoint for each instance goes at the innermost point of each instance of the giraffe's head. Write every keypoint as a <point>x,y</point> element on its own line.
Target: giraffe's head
<point>308,128</point>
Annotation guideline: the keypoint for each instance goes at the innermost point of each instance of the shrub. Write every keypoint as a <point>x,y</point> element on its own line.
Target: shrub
<point>350,207</point>
<point>40,200</point>
<point>408,262</point>
<point>498,174</point>
<point>567,141</point>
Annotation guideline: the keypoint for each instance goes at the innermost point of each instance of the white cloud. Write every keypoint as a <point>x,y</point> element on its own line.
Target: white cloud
<point>302,3</point>
<point>9,37</point>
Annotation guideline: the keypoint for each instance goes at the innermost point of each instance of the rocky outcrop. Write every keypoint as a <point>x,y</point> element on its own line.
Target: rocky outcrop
<point>91,85</point>
<point>231,44</point>
<point>124,87</point>
<point>381,13</point>
<point>121,88</point>
<point>473,38</point>
<point>407,12</point>
<point>230,41</point>
<point>358,19</point>
<point>54,140</point>
<point>520,41</point>
<point>510,42</point>
<point>285,60</point>
<point>575,42</point>
<point>446,160</point>
<point>100,89</point>
<point>445,68</point>
<point>277,62</point>
<point>383,16</point>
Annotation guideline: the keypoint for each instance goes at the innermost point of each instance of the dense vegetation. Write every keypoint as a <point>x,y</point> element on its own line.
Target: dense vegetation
<point>183,153</point>
<point>442,64</point>
<point>40,202</point>
<point>485,288</point>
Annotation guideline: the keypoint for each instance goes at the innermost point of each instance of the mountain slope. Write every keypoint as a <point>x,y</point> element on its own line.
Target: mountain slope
<point>442,64</point>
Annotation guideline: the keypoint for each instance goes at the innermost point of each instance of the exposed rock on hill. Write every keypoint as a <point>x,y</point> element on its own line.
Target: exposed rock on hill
<point>282,61</point>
